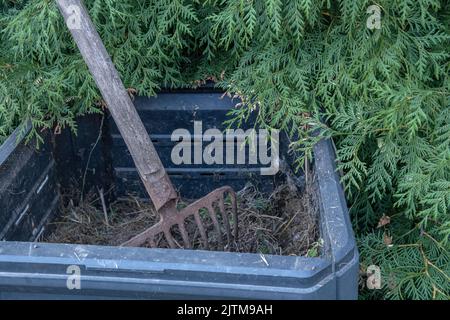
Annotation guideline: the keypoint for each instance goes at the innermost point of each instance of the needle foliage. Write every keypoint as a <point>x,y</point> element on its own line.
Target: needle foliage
<point>384,93</point>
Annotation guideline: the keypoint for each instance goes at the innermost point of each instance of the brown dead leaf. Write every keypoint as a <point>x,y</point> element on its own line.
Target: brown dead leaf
<point>384,220</point>
<point>57,130</point>
<point>132,92</point>
<point>102,104</point>
<point>387,239</point>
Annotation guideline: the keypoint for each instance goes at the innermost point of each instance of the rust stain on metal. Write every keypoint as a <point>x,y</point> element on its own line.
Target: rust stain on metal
<point>170,217</point>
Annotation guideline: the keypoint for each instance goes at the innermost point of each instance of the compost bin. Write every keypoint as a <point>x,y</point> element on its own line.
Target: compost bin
<point>32,181</point>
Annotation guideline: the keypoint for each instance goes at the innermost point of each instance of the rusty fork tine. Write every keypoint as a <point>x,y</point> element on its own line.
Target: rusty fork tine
<point>199,224</point>
<point>234,212</point>
<point>184,235</point>
<point>225,218</point>
<point>169,238</point>
<point>216,225</point>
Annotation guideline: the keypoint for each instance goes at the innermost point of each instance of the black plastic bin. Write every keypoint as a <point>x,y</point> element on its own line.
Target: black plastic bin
<point>30,185</point>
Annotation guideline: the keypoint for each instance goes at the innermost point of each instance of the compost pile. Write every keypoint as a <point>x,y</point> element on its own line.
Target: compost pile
<point>282,223</point>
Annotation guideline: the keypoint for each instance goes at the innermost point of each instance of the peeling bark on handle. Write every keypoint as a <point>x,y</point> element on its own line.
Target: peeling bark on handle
<point>146,159</point>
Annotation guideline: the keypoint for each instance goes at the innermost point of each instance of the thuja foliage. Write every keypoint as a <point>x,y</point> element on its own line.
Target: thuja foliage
<point>43,77</point>
<point>314,68</point>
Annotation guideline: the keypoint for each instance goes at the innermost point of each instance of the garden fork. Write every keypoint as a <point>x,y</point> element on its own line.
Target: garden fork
<point>146,159</point>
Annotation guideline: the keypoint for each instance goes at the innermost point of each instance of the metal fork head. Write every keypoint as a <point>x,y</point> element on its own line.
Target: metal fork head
<point>213,203</point>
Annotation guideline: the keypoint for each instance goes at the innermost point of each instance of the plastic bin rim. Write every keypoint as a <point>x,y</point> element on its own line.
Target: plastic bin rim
<point>17,136</point>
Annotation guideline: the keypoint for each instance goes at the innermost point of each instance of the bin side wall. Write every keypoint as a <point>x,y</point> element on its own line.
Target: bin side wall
<point>29,192</point>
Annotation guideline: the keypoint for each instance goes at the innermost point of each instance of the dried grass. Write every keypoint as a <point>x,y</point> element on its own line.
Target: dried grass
<point>283,223</point>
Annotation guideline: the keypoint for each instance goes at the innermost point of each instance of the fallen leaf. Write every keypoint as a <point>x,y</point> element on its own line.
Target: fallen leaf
<point>384,220</point>
<point>57,130</point>
<point>387,239</point>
